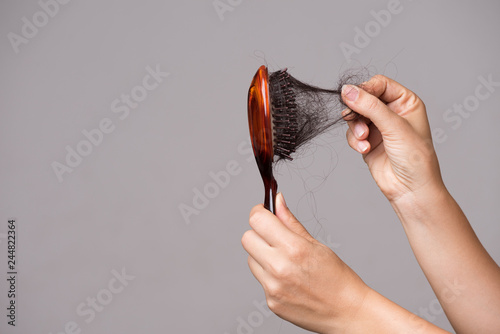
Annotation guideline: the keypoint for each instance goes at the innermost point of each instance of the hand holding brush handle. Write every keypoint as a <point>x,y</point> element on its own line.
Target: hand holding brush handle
<point>307,284</point>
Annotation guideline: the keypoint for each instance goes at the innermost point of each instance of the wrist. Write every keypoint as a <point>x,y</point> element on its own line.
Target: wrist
<point>380,315</point>
<point>421,204</point>
<point>365,318</point>
<point>353,302</point>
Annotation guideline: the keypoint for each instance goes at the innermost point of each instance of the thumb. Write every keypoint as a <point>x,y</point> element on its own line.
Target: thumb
<point>368,105</point>
<point>289,220</point>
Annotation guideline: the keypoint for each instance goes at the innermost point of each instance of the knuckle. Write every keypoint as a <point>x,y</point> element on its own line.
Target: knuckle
<point>273,305</point>
<point>379,77</point>
<point>297,252</point>
<point>246,237</point>
<point>274,295</point>
<point>411,100</point>
<point>284,270</point>
<point>256,217</point>
<point>374,81</point>
<point>350,137</point>
<point>281,270</point>
<point>371,103</point>
<point>254,210</point>
<point>422,103</point>
<point>353,144</point>
<point>348,134</point>
<point>349,115</point>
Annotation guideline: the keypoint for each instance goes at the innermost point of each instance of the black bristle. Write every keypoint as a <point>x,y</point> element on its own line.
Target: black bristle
<point>284,114</point>
<point>300,111</point>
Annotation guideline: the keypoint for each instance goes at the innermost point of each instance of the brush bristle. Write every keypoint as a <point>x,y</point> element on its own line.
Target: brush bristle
<point>300,112</point>
<point>284,114</point>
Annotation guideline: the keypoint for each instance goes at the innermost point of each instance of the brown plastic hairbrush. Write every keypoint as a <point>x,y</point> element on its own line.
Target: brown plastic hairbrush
<point>285,113</point>
<point>272,127</point>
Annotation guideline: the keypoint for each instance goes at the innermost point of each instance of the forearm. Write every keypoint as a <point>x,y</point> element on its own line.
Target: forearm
<point>464,277</point>
<point>380,315</point>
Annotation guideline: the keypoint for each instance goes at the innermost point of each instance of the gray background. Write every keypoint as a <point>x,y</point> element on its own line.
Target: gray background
<point>120,207</point>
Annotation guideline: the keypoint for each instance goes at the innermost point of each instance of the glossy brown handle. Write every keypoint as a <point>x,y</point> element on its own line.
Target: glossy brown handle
<point>271,188</point>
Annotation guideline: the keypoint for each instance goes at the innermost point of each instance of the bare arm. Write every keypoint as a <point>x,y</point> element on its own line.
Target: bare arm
<point>462,274</point>
<point>395,140</point>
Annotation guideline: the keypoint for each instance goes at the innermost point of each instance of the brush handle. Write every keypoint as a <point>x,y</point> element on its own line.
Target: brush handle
<point>271,187</point>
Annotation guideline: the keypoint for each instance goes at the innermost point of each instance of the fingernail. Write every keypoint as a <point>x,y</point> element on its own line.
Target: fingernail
<point>359,130</point>
<point>283,200</point>
<point>350,92</point>
<point>362,146</point>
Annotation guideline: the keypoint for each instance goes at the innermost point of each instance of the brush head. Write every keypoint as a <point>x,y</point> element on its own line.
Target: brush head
<point>285,113</point>
<point>272,115</point>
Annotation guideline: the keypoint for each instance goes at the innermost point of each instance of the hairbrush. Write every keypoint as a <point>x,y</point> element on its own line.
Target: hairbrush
<point>283,114</point>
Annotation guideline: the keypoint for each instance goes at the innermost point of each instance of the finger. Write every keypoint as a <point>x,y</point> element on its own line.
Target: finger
<point>349,115</point>
<point>401,100</point>
<point>371,107</point>
<point>359,129</point>
<point>289,220</point>
<point>388,90</point>
<point>268,226</point>
<point>358,125</point>
<point>375,137</point>
<point>361,146</point>
<point>256,247</point>
<point>258,272</point>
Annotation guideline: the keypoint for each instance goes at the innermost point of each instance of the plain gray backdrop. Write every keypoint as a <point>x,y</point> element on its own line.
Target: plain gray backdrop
<point>65,69</point>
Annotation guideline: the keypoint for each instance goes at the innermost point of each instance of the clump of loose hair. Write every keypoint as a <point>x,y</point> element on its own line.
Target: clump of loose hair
<point>301,111</point>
